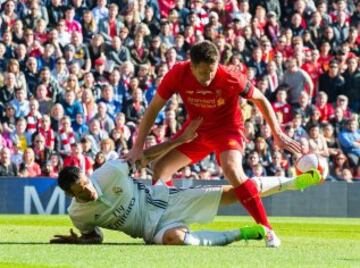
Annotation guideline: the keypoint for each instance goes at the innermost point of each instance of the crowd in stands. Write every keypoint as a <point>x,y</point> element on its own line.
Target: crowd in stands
<point>77,75</point>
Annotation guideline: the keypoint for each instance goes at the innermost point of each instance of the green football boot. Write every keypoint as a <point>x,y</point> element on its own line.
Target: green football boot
<point>307,179</point>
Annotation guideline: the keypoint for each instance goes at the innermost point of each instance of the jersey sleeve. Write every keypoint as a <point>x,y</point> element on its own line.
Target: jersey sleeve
<point>168,85</point>
<point>246,88</point>
<point>239,82</point>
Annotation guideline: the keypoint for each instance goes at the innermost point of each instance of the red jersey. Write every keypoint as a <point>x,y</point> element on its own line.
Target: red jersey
<point>84,164</point>
<point>326,112</point>
<point>284,109</point>
<point>217,103</point>
<point>314,71</point>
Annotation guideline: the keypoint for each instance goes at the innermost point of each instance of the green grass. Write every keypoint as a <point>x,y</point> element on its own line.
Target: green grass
<point>306,242</point>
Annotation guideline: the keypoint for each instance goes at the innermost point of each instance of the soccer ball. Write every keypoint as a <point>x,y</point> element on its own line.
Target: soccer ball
<point>306,162</point>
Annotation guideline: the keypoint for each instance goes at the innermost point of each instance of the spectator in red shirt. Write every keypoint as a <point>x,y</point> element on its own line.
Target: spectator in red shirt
<point>326,109</point>
<point>71,24</point>
<point>78,159</point>
<point>281,106</point>
<point>29,168</point>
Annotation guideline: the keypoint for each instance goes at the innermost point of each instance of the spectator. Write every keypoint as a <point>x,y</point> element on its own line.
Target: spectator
<point>80,127</point>
<point>47,132</point>
<point>107,148</point>
<point>303,105</point>
<point>257,63</point>
<point>263,151</point>
<point>89,26</point>
<point>20,103</point>
<point>56,164</point>
<point>116,53</point>
<point>281,107</point>
<point>106,122</point>
<point>297,79</point>
<point>139,54</point>
<point>326,109</point>
<point>70,23</point>
<point>19,136</point>
<point>66,136</point>
<point>347,175</point>
<point>352,83</point>
<point>100,11</point>
<point>107,97</point>
<point>7,91</point>
<point>109,26</point>
<point>99,160</point>
<point>9,119</point>
<point>34,116</point>
<point>331,82</point>
<point>331,141</point>
<point>53,88</point>
<point>338,121</point>
<point>350,141</point>
<point>72,107</point>
<point>7,168</point>
<point>55,11</point>
<point>60,73</point>
<point>338,165</point>
<point>277,164</point>
<point>89,104</point>
<point>86,146</point>
<point>253,160</point>
<point>342,102</point>
<point>42,153</point>
<point>318,145</point>
<point>29,168</point>
<point>78,159</point>
<point>96,135</point>
<point>31,74</point>
<point>135,109</point>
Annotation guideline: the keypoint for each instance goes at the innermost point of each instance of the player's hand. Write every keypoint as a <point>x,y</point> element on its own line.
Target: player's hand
<point>73,238</point>
<point>190,132</point>
<point>285,142</point>
<point>134,155</point>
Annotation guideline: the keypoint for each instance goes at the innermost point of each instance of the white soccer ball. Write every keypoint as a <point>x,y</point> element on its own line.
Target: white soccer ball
<point>306,162</point>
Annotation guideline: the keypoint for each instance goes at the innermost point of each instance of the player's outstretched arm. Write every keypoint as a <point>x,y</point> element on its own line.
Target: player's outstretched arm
<point>280,138</point>
<point>146,123</point>
<point>163,148</point>
<point>73,238</point>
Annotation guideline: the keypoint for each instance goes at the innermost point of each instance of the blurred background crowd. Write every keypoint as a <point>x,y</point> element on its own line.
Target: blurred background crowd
<point>77,75</point>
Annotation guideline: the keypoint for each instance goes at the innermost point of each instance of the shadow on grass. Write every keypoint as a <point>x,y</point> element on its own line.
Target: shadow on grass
<point>95,245</point>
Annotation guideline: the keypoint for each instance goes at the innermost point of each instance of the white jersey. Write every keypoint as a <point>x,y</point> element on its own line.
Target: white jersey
<point>123,204</point>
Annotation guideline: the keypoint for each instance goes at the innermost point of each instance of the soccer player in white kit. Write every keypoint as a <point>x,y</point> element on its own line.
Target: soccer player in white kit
<point>111,199</point>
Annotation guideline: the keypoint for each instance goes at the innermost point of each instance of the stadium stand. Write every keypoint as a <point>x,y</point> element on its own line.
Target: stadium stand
<point>77,75</point>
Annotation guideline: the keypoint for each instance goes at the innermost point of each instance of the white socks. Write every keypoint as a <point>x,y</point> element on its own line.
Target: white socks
<point>271,185</point>
<point>211,238</point>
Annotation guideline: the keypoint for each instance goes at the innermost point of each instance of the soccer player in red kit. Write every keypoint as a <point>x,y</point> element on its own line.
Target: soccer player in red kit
<point>211,91</point>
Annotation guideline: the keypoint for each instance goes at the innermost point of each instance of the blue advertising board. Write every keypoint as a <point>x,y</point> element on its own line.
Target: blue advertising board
<point>32,196</point>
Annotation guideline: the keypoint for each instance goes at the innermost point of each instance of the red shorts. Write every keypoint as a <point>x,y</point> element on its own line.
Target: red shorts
<point>211,141</point>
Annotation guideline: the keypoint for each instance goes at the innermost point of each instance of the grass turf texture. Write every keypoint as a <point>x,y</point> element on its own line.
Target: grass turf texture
<point>316,242</point>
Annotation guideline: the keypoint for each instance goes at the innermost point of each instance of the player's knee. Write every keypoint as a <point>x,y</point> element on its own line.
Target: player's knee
<point>174,237</point>
<point>233,173</point>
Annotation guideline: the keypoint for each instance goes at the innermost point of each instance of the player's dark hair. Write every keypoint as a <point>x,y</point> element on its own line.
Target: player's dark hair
<point>204,52</point>
<point>68,176</point>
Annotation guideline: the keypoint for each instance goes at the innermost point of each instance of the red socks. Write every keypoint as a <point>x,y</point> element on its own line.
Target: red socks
<point>249,197</point>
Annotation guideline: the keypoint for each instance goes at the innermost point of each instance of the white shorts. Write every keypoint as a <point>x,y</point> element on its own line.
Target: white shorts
<point>193,205</point>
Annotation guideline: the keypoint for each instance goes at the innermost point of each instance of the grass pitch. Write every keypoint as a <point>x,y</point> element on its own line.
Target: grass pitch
<point>315,242</point>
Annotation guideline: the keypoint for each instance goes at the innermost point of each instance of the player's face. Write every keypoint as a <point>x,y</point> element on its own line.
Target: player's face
<point>84,190</point>
<point>204,72</point>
